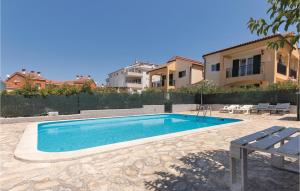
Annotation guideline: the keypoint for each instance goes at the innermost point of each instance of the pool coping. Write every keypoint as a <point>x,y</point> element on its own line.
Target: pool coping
<point>26,149</point>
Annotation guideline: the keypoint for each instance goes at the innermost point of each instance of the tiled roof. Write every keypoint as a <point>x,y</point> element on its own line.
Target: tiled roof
<point>249,42</point>
<point>185,59</point>
<point>31,75</point>
<point>174,58</point>
<point>36,76</point>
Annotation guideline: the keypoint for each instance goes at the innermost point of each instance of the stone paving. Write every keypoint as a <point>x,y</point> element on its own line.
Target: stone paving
<point>197,162</point>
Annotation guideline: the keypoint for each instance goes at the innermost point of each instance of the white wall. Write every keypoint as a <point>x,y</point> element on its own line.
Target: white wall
<point>120,79</point>
<point>213,76</point>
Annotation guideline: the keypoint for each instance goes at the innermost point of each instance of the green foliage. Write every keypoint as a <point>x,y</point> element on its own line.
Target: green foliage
<point>283,86</point>
<point>105,90</point>
<point>86,87</point>
<point>205,86</point>
<point>4,92</point>
<point>153,90</point>
<point>283,14</point>
<point>209,88</point>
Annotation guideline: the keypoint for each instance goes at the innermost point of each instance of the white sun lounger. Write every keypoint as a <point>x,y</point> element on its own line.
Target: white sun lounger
<point>244,108</point>
<point>264,141</point>
<point>261,107</point>
<point>281,107</point>
<point>229,109</point>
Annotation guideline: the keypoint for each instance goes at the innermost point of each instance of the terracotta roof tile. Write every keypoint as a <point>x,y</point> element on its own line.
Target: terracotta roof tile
<point>185,59</point>
<point>249,42</point>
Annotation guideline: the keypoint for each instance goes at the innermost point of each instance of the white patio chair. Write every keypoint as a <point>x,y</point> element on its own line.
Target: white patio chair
<point>261,107</point>
<point>281,107</point>
<point>244,109</point>
<point>229,109</point>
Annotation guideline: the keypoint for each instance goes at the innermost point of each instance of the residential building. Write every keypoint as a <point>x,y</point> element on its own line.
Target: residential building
<point>133,78</point>
<point>176,73</point>
<point>253,63</point>
<point>18,79</point>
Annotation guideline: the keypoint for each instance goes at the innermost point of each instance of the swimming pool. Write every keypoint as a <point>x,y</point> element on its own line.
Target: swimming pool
<point>75,135</point>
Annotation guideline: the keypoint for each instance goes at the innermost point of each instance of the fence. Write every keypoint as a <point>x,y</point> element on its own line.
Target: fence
<point>254,97</point>
<point>17,105</point>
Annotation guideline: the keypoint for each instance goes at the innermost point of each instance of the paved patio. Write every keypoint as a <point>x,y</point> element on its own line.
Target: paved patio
<point>194,162</point>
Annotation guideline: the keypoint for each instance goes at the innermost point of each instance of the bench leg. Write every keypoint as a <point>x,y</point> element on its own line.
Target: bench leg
<point>277,161</point>
<point>232,170</point>
<point>244,170</point>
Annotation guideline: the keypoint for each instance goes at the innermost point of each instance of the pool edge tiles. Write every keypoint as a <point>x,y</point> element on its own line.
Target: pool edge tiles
<point>27,148</point>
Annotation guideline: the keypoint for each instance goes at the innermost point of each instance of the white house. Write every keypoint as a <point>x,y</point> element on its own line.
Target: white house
<point>134,77</point>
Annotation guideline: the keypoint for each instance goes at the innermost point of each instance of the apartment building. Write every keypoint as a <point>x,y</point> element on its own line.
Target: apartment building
<point>253,63</point>
<point>176,73</point>
<point>133,78</point>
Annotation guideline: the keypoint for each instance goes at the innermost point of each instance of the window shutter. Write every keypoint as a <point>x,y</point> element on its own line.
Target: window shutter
<point>256,64</point>
<point>218,67</point>
<point>235,68</point>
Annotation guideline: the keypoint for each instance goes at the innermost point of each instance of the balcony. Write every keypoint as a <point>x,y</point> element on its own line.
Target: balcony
<point>133,85</point>
<point>133,74</point>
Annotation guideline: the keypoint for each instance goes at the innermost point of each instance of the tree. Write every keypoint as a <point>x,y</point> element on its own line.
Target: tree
<point>283,13</point>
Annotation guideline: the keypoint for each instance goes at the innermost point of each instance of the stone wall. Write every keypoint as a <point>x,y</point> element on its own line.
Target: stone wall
<point>146,109</point>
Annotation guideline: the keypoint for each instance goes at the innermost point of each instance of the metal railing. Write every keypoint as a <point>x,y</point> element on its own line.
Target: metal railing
<point>205,109</point>
<point>245,70</point>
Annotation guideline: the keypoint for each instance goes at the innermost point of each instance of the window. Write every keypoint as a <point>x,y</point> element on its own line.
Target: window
<point>281,67</point>
<point>242,71</point>
<point>215,67</point>
<point>218,67</point>
<point>246,66</point>
<point>182,74</point>
<point>249,67</point>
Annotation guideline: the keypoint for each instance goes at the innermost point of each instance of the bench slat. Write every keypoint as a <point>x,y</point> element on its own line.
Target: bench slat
<point>271,140</point>
<point>257,135</point>
<point>291,147</point>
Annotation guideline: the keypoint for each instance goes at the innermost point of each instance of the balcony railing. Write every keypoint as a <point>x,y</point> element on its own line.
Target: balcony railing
<point>133,85</point>
<point>245,70</point>
<point>281,69</point>
<point>133,74</point>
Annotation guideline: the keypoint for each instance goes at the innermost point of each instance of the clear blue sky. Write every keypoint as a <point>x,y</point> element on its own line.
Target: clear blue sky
<point>62,38</point>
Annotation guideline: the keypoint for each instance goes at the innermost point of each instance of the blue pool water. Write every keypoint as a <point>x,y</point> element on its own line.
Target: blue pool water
<point>79,134</point>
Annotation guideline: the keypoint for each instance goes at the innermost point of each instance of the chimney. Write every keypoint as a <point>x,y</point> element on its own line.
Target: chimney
<point>32,71</point>
<point>39,73</point>
<point>89,76</point>
<point>23,71</point>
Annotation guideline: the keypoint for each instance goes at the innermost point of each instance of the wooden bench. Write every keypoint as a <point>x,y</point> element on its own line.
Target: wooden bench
<point>264,141</point>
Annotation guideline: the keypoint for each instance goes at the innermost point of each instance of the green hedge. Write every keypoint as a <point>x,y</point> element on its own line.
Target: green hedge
<point>182,98</point>
<point>254,97</point>
<point>109,101</point>
<point>18,105</point>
